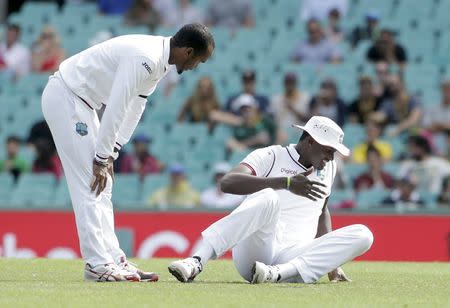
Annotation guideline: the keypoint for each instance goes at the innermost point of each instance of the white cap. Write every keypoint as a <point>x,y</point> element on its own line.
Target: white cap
<point>244,100</point>
<point>326,132</point>
<point>221,167</point>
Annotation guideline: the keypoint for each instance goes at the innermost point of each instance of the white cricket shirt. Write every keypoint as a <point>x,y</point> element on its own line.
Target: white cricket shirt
<point>119,73</point>
<point>299,215</point>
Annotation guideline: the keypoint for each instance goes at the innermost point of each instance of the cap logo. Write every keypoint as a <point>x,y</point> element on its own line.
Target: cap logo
<point>322,127</point>
<point>341,138</point>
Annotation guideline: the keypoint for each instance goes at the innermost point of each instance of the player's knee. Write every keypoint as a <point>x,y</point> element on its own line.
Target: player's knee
<point>364,237</point>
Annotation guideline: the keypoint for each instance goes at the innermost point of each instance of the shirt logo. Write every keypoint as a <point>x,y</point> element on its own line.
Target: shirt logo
<point>293,172</point>
<point>81,128</point>
<point>321,174</point>
<point>147,67</point>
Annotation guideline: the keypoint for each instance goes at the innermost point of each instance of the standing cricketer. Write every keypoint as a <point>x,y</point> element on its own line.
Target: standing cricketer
<point>119,73</point>
<point>282,231</point>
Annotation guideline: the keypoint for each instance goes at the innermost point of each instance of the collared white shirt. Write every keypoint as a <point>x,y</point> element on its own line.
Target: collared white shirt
<point>299,215</point>
<point>17,58</point>
<point>119,73</point>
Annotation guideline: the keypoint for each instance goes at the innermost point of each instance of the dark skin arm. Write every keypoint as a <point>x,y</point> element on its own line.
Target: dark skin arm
<point>323,228</point>
<point>240,181</point>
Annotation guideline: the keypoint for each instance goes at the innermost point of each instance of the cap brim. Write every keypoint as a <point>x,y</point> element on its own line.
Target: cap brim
<point>337,146</point>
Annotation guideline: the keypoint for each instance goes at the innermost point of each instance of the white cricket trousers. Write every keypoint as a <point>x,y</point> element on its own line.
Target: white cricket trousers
<point>251,231</point>
<point>93,214</point>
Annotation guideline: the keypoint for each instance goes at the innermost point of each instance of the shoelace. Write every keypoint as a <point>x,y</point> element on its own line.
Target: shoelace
<point>130,266</point>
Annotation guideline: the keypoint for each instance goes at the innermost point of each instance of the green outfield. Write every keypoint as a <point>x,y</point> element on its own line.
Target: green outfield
<point>51,283</point>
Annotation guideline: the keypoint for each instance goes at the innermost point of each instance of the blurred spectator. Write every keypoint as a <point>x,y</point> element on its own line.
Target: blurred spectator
<point>38,131</point>
<point>167,11</point>
<point>365,104</point>
<point>369,31</point>
<point>15,58</point>
<point>404,196</point>
<point>317,49</point>
<point>47,54</point>
<point>333,30</point>
<point>398,107</point>
<point>143,13</point>
<point>248,79</point>
<point>141,161</point>
<point>443,199</point>
<point>361,151</point>
<point>188,13</point>
<point>232,14</point>
<point>178,193</point>
<point>199,105</point>
<point>387,49</point>
<point>255,130</point>
<point>382,73</point>
<point>13,163</point>
<point>289,107</point>
<point>213,197</point>
<point>437,118</point>
<point>320,9</point>
<point>374,177</point>
<point>429,170</point>
<point>114,7</point>
<point>327,103</point>
<point>46,160</point>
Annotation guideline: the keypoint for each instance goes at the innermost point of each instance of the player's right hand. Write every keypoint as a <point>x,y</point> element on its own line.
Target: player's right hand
<point>100,178</point>
<point>302,186</point>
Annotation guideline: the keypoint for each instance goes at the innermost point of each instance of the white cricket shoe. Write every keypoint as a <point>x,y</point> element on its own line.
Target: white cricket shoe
<point>126,265</point>
<point>262,273</point>
<point>108,273</point>
<point>186,270</point>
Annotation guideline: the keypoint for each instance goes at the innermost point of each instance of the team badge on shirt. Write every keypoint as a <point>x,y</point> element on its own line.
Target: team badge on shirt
<point>81,128</point>
<point>321,174</point>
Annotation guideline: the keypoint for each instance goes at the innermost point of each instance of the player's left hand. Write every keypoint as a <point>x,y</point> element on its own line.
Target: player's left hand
<point>100,173</point>
<point>338,275</point>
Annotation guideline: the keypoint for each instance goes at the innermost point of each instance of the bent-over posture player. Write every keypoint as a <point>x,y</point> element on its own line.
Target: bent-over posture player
<point>282,231</point>
<point>119,73</point>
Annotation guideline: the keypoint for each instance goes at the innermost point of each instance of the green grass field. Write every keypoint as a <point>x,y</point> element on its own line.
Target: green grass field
<point>58,283</point>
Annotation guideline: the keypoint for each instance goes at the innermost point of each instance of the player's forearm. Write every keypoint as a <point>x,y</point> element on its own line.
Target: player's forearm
<point>245,184</point>
<point>324,225</point>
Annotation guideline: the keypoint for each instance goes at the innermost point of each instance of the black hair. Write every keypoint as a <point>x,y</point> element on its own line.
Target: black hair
<point>194,35</point>
<point>14,27</point>
<point>13,139</point>
<point>372,149</point>
<point>420,142</point>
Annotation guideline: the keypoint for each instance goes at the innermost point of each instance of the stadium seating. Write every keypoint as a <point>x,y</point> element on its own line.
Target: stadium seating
<point>421,27</point>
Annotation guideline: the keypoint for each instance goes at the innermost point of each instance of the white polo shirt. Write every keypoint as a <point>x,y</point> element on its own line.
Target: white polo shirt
<point>119,73</point>
<point>299,215</point>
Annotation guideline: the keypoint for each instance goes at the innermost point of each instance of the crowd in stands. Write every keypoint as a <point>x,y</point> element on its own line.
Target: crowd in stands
<point>384,106</point>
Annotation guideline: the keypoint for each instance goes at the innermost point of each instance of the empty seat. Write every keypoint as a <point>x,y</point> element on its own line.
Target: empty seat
<point>33,190</point>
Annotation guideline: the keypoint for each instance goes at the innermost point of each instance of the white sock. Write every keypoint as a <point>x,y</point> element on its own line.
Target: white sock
<point>287,271</point>
<point>204,252</point>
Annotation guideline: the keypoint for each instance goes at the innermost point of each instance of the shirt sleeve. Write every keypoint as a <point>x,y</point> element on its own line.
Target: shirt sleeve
<point>130,76</point>
<point>131,120</point>
<point>260,161</point>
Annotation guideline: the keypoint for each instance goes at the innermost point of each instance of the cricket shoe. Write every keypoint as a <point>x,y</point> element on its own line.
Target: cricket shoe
<point>186,270</point>
<point>262,273</point>
<point>108,273</point>
<point>126,265</point>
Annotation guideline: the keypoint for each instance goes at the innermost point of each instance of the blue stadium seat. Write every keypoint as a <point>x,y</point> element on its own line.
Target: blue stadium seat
<point>370,198</point>
<point>33,190</point>
<point>6,185</point>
